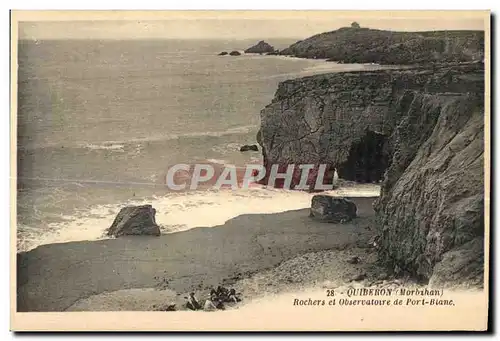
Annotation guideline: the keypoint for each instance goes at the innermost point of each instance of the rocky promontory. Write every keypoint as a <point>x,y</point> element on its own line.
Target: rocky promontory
<point>420,132</point>
<point>364,45</point>
<point>61,277</point>
<point>260,47</point>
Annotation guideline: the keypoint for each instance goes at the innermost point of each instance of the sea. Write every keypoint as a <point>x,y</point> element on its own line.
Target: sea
<point>100,122</point>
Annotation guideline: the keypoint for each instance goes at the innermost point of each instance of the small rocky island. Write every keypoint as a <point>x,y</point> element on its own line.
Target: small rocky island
<point>261,47</point>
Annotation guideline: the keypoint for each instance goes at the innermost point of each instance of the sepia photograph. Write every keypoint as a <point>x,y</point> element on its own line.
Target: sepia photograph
<point>250,170</point>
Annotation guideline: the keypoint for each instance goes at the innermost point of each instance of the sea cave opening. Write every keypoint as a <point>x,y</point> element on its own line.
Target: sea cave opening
<point>367,160</point>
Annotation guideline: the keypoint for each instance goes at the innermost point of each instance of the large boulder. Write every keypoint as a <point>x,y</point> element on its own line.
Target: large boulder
<point>135,220</point>
<point>333,210</point>
<point>235,53</point>
<point>260,47</point>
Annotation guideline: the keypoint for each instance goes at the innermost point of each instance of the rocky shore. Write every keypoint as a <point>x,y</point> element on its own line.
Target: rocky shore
<point>420,132</point>
<point>261,47</point>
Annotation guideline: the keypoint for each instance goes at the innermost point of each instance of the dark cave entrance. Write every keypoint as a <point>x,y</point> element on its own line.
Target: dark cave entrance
<point>367,159</point>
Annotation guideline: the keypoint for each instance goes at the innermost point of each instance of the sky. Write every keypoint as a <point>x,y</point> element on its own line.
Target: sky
<point>227,25</point>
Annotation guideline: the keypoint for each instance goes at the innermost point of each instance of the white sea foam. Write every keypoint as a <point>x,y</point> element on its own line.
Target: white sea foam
<point>107,146</point>
<point>183,211</point>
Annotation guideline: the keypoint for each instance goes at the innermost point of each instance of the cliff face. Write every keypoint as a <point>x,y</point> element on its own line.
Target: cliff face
<point>421,132</point>
<point>363,45</point>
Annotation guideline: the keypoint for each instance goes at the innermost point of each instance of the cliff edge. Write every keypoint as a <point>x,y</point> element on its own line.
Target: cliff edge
<point>420,132</point>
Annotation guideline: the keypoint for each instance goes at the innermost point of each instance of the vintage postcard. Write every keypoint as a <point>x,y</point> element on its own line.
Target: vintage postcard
<point>250,170</point>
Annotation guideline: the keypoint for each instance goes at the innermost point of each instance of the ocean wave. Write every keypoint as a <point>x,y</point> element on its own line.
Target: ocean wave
<point>181,211</point>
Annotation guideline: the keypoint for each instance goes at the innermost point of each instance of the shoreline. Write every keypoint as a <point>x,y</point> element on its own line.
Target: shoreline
<point>54,277</point>
<point>181,211</point>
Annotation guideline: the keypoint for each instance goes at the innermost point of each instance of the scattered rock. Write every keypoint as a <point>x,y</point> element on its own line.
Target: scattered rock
<point>249,147</point>
<point>223,53</point>
<point>354,260</point>
<point>260,47</point>
<point>235,53</point>
<point>135,220</point>
<point>359,277</point>
<point>333,210</point>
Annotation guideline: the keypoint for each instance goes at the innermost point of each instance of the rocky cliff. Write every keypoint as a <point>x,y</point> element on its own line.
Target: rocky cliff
<point>364,45</point>
<point>420,132</point>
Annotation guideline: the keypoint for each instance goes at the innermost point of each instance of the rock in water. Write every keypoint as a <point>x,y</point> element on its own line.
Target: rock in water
<point>420,130</point>
<point>364,45</point>
<point>261,47</point>
<point>247,147</point>
<point>135,220</point>
<point>332,210</point>
<point>223,53</point>
<point>235,53</point>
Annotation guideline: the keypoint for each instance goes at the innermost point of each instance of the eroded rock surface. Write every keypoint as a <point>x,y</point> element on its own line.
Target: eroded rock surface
<point>135,220</point>
<point>249,147</point>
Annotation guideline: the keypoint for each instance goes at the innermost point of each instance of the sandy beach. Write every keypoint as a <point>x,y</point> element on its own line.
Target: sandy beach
<point>250,252</point>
